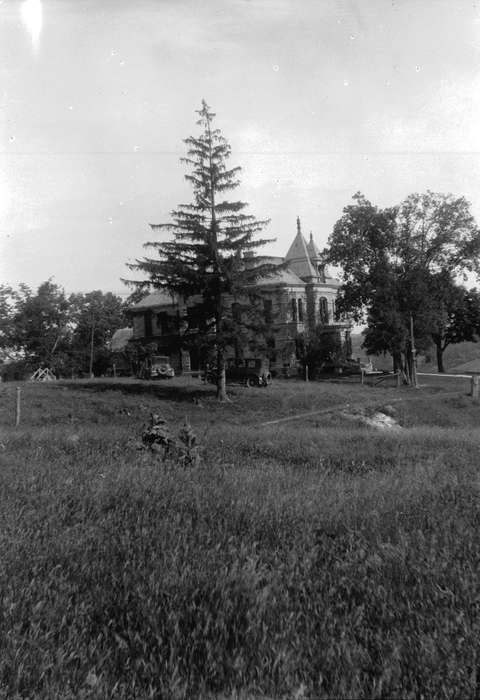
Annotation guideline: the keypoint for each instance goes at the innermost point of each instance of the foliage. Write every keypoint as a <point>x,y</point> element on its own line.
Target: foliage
<point>324,345</point>
<point>45,328</point>
<point>294,562</point>
<point>211,260</point>
<point>40,326</point>
<point>9,301</point>
<point>400,264</point>
<point>455,314</point>
<point>98,314</point>
<point>181,451</point>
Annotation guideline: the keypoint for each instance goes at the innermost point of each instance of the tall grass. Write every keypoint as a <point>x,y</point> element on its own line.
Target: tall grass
<point>309,560</point>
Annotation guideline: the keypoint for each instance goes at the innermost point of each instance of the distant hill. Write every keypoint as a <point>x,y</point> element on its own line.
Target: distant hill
<point>461,353</point>
<point>455,355</point>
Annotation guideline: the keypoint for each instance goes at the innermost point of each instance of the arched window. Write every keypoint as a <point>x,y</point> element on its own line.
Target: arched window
<point>294,309</point>
<point>323,311</point>
<point>236,312</point>
<point>267,310</point>
<point>300,310</point>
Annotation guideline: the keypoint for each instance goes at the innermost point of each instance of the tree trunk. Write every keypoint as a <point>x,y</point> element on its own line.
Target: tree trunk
<point>397,361</point>
<point>409,366</point>
<point>440,365</point>
<point>221,378</point>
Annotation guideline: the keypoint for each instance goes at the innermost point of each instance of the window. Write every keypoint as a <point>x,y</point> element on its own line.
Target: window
<point>267,310</point>
<point>148,323</point>
<point>323,311</point>
<point>300,310</point>
<point>194,317</point>
<point>164,321</point>
<point>294,309</point>
<point>236,312</point>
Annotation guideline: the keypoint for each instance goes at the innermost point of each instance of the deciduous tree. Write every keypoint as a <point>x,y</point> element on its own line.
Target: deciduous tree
<point>94,318</point>
<point>402,263</point>
<point>41,325</point>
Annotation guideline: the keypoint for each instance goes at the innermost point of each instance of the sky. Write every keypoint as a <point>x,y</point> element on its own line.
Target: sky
<point>319,99</point>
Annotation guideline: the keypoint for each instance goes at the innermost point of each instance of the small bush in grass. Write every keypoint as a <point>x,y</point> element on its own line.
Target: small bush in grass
<point>178,451</point>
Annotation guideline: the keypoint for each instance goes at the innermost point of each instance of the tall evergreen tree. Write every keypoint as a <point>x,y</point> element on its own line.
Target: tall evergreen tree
<point>212,257</point>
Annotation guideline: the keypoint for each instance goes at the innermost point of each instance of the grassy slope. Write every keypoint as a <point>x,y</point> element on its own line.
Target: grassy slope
<point>454,355</point>
<point>319,556</point>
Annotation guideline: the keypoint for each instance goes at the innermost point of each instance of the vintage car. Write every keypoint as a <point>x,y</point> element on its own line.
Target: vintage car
<point>156,367</point>
<point>340,367</point>
<point>250,372</point>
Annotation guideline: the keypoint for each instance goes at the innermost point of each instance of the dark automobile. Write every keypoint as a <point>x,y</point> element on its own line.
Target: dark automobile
<point>250,372</point>
<point>340,367</point>
<point>156,367</point>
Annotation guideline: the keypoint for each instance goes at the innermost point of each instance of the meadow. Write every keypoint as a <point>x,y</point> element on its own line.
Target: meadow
<point>308,558</point>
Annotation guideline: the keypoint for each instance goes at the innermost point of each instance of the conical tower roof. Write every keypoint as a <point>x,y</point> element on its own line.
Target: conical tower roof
<point>298,258</point>
<point>313,249</point>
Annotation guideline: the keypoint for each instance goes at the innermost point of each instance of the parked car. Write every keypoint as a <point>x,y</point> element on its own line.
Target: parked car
<point>156,367</point>
<point>250,372</point>
<point>340,367</point>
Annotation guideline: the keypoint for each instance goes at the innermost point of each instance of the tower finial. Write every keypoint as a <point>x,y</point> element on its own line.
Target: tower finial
<point>299,230</point>
<point>311,237</point>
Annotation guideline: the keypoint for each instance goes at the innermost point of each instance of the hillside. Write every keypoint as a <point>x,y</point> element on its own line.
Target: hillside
<point>457,354</point>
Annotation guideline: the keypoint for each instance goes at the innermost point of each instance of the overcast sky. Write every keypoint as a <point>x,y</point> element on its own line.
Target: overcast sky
<point>318,98</point>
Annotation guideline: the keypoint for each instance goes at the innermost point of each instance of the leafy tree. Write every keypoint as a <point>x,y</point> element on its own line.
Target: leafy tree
<point>40,326</point>
<point>94,318</point>
<point>323,346</point>
<point>9,301</point>
<point>211,259</point>
<point>399,265</point>
<point>437,232</point>
<point>455,314</point>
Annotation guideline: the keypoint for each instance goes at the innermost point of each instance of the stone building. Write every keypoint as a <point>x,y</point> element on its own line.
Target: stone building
<point>299,298</point>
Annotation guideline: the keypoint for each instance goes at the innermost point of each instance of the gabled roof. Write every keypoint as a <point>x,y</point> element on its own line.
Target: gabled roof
<point>156,299</point>
<point>283,277</point>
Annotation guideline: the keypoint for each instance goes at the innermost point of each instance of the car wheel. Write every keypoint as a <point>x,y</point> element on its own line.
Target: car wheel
<point>252,381</point>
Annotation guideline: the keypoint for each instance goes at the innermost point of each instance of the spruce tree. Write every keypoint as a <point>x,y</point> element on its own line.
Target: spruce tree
<point>211,261</point>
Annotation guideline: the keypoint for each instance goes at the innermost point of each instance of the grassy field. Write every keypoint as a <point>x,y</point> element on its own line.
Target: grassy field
<point>307,558</point>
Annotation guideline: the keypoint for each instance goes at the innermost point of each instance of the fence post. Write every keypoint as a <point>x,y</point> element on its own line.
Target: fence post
<point>306,373</point>
<point>475,386</point>
<point>17,412</point>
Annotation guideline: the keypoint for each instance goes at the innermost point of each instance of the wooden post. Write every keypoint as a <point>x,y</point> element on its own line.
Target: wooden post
<point>475,386</point>
<point>17,412</point>
<point>114,370</point>
<point>306,373</point>
<point>91,347</point>
<point>362,372</point>
<point>414,360</point>
<point>398,378</point>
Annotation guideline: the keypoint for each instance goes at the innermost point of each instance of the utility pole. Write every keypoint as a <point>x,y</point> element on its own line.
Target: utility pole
<point>91,347</point>
<point>414,361</point>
